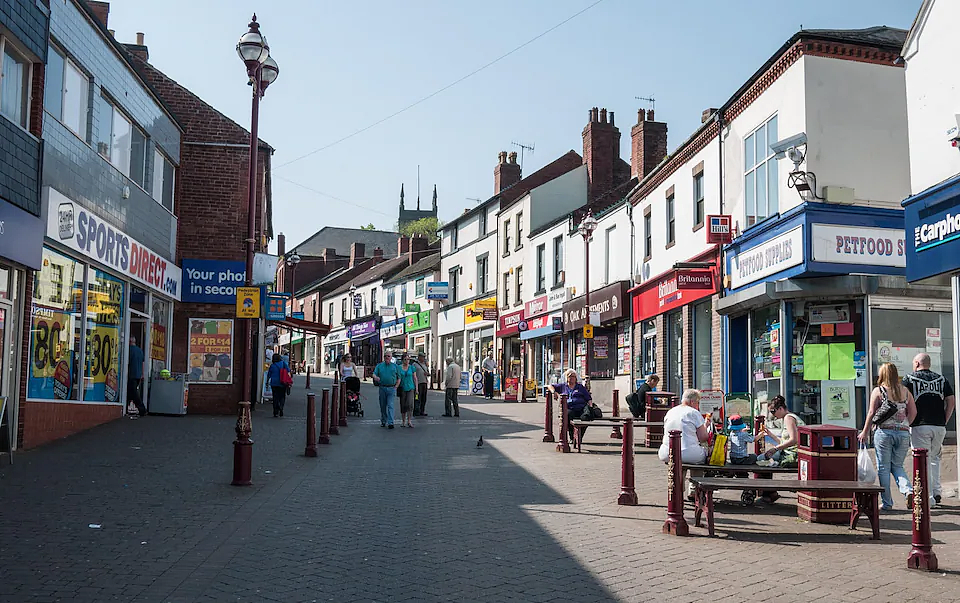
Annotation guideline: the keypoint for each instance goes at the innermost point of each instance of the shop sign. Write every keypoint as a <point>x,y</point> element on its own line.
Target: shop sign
<point>536,307</point>
<point>210,351</point>
<point>829,314</point>
<point>86,233</point>
<point>720,231</point>
<point>392,329</point>
<point>362,329</point>
<point>694,279</point>
<point>858,245</point>
<point>297,315</point>
<point>933,244</point>
<point>411,308</point>
<point>21,236</point>
<point>388,311</point>
<point>276,306</point>
<point>509,324</point>
<point>248,302</point>
<point>486,304</point>
<point>556,299</point>
<point>665,294</point>
<point>608,302</point>
<point>335,337</point>
<point>480,309</point>
<point>357,301</point>
<point>418,321</point>
<point>438,290</point>
<point>772,256</point>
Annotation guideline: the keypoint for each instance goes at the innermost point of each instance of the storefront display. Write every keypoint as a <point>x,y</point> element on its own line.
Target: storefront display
<point>605,348</point>
<point>102,352</point>
<point>56,313</point>
<point>210,351</point>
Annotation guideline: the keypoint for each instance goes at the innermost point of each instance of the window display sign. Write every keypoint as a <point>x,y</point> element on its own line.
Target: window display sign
<point>210,353</point>
<point>158,342</point>
<point>105,311</point>
<point>836,402</point>
<point>56,313</point>
<point>829,314</point>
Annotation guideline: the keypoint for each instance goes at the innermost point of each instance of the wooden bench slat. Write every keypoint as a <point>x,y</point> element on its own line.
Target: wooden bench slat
<point>740,469</point>
<point>788,485</point>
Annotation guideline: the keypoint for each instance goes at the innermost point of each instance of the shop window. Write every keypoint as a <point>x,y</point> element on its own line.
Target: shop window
<point>761,194</point>
<point>65,93</point>
<point>648,362</point>
<point>765,363</point>
<point>674,360</point>
<point>453,348</point>
<point>160,317</point>
<point>624,348</point>
<point>703,345</point>
<point>102,352</point>
<point>14,83</point>
<point>55,329</point>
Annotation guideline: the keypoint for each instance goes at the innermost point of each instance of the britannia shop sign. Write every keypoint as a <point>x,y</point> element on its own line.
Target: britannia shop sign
<point>675,290</point>
<point>777,254</point>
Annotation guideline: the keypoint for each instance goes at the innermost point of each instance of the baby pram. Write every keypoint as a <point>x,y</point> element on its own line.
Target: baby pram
<point>352,387</point>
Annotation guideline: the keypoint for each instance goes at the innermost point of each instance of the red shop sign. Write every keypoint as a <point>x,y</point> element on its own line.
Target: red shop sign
<point>509,324</point>
<point>675,290</point>
<point>535,307</point>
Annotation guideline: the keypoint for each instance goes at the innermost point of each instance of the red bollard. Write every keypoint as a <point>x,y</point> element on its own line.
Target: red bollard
<point>308,377</point>
<point>243,448</point>
<point>675,523</point>
<point>311,449</point>
<point>564,445</point>
<point>615,434</point>
<point>628,493</point>
<point>334,405</point>
<point>548,418</point>
<point>342,419</point>
<point>325,417</point>
<point>921,555</point>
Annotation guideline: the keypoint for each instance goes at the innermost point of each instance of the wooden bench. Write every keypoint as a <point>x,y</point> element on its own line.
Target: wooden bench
<point>729,470</point>
<point>866,496</point>
<point>606,422</point>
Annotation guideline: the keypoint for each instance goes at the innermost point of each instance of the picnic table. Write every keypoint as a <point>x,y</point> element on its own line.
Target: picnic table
<point>866,496</point>
<point>748,497</point>
<point>608,422</point>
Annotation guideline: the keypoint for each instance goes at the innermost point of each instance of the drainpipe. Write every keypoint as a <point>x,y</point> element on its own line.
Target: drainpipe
<point>724,323</point>
<point>633,361</point>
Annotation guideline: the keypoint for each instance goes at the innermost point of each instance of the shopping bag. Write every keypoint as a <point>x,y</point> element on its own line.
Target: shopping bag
<point>285,378</point>
<point>866,469</point>
<point>719,455</point>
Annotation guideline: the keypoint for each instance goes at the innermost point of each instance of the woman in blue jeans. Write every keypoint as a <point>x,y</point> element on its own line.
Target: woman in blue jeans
<point>892,439</point>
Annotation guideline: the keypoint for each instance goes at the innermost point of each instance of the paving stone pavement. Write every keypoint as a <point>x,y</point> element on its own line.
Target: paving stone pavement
<point>411,515</point>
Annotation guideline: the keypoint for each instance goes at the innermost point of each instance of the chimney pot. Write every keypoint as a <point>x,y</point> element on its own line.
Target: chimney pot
<point>139,38</point>
<point>650,115</point>
<point>502,157</point>
<point>641,115</point>
<point>603,115</point>
<point>594,115</point>
<point>513,157</point>
<point>611,119</point>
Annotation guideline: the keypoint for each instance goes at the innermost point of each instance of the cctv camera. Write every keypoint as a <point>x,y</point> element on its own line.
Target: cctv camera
<point>781,147</point>
<point>795,155</point>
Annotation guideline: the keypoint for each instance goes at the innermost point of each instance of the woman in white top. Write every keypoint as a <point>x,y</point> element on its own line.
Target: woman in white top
<point>692,426</point>
<point>891,439</point>
<point>348,374</point>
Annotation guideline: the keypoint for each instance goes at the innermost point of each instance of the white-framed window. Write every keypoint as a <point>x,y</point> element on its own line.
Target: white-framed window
<point>66,92</point>
<point>506,237</point>
<point>647,237</point>
<point>164,178</point>
<point>519,241</point>
<point>453,283</point>
<point>421,286</point>
<point>541,268</point>
<point>505,303</point>
<point>454,237</point>
<point>373,300</point>
<point>671,220</point>
<point>557,260</point>
<point>482,221</point>
<point>121,142</point>
<point>699,212</point>
<point>482,270</point>
<point>608,252</point>
<point>760,183</point>
<point>519,291</point>
<point>15,74</point>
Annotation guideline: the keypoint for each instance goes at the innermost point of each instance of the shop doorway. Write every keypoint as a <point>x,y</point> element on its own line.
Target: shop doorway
<point>138,334</point>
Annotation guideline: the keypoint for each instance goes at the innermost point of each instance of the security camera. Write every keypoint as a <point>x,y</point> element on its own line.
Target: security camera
<point>781,147</point>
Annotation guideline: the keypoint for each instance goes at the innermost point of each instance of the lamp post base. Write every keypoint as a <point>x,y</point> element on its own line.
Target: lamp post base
<point>242,463</point>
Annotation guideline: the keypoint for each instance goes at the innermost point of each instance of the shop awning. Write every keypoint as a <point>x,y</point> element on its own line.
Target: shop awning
<point>302,325</point>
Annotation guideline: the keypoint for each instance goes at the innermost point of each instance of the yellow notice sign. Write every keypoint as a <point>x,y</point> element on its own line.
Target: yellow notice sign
<point>486,304</point>
<point>248,302</point>
<point>588,331</point>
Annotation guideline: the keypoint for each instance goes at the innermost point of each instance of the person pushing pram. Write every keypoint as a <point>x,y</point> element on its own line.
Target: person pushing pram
<point>351,383</point>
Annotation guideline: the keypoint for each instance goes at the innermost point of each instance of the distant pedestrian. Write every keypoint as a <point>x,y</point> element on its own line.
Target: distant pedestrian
<point>135,377</point>
<point>489,367</point>
<point>935,402</point>
<point>386,376</point>
<point>451,385</point>
<point>420,405</point>
<point>407,390</point>
<point>279,388</point>
<point>891,439</point>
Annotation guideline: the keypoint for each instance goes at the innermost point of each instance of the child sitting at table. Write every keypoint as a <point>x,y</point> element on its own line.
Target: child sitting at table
<point>739,437</point>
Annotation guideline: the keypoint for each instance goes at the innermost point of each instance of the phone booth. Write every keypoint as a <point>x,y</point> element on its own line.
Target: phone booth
<point>658,403</point>
<point>826,452</point>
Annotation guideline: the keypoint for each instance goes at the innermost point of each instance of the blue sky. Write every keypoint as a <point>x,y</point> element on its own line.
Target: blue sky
<point>346,65</point>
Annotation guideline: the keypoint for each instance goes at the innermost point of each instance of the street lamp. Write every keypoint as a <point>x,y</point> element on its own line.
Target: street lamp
<point>586,228</point>
<point>262,71</point>
<point>353,301</point>
<point>293,261</point>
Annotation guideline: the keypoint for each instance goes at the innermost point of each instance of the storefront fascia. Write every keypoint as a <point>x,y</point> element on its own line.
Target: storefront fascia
<point>612,302</point>
<point>816,271</point>
<point>334,345</point>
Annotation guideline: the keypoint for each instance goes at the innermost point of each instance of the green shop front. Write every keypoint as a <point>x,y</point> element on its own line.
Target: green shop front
<point>418,333</point>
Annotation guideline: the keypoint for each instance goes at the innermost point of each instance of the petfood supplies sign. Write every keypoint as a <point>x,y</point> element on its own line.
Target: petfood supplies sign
<point>86,233</point>
<point>770,257</point>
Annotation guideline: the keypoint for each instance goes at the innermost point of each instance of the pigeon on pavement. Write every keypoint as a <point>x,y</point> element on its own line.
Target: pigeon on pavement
<point>480,442</point>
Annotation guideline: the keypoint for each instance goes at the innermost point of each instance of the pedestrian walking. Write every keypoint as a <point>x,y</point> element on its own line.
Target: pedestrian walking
<point>451,385</point>
<point>892,410</point>
<point>489,367</point>
<point>135,377</point>
<point>277,385</point>
<point>386,376</point>
<point>406,390</point>
<point>420,404</point>
<point>935,402</point>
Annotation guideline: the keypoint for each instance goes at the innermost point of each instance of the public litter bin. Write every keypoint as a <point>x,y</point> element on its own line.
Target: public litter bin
<point>658,403</point>
<point>826,452</point>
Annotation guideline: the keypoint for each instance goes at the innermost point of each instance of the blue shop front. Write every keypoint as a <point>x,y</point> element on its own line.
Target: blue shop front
<point>815,299</point>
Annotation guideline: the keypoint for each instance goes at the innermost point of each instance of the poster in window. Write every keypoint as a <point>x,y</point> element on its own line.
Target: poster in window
<point>603,363</point>
<point>102,352</point>
<point>210,351</point>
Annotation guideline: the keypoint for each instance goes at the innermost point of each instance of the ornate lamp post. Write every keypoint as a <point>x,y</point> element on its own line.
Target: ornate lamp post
<point>293,261</point>
<point>262,71</point>
<point>353,301</point>
<point>586,228</point>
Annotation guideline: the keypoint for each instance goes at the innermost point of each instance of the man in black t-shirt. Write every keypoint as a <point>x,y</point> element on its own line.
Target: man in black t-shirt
<point>637,402</point>
<point>935,403</point>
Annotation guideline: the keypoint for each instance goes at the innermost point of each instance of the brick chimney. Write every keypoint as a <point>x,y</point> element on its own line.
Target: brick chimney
<point>418,249</point>
<point>648,144</point>
<point>403,246</point>
<point>356,253</point>
<point>377,255</point>
<point>601,152</point>
<point>100,9</point>
<point>507,172</point>
<point>707,114</point>
<point>139,49</point>
<point>281,244</point>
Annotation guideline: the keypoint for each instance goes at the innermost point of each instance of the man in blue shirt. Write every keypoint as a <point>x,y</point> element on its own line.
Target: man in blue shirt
<point>135,377</point>
<point>386,376</point>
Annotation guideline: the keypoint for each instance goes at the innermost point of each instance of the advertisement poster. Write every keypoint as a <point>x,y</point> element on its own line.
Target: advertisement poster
<point>158,342</point>
<point>477,380</point>
<point>512,389</point>
<point>711,403</point>
<point>836,402</point>
<point>102,351</point>
<point>464,382</point>
<point>52,356</point>
<point>210,353</point>
<point>860,365</point>
<point>600,347</point>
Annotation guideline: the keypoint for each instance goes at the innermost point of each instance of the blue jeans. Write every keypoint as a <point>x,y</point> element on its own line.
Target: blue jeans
<point>387,396</point>
<point>891,448</point>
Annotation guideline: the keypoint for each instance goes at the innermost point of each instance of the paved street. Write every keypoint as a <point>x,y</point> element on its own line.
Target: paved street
<point>410,515</point>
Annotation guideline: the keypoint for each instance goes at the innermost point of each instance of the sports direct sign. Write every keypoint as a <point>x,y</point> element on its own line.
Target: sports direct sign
<point>86,233</point>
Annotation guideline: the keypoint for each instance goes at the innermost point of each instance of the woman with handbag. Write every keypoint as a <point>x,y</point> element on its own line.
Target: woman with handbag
<point>276,377</point>
<point>891,411</point>
<point>406,389</point>
<point>578,400</point>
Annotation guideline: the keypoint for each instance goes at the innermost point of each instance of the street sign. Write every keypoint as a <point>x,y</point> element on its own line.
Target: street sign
<point>720,229</point>
<point>588,331</point>
<point>248,302</point>
<point>438,290</point>
<point>357,302</point>
<point>298,315</point>
<point>522,325</point>
<point>276,306</point>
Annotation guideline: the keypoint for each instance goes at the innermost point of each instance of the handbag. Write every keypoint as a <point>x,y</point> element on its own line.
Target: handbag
<point>285,378</point>
<point>886,410</point>
<point>719,455</point>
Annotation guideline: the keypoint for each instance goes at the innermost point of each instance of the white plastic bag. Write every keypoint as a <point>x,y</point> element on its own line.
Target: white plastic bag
<point>866,469</point>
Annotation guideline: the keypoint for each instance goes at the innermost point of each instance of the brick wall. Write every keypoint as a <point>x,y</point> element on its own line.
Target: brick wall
<point>52,420</point>
<point>716,336</point>
<point>25,354</point>
<point>208,399</point>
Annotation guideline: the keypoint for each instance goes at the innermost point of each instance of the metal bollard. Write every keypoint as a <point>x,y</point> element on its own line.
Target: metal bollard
<point>628,491</point>
<point>548,418</point>
<point>675,523</point>
<point>342,419</point>
<point>921,555</point>
<point>325,417</point>
<point>334,406</point>
<point>308,377</point>
<point>615,434</point>
<point>564,445</point>
<point>243,448</point>
<point>311,449</point>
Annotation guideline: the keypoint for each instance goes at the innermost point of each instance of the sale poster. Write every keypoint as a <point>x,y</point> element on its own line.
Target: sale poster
<point>512,390</point>
<point>102,354</point>
<point>210,353</point>
<point>158,342</point>
<point>52,366</point>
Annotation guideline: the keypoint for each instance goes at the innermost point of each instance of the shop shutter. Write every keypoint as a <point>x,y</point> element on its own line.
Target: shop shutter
<point>909,303</point>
